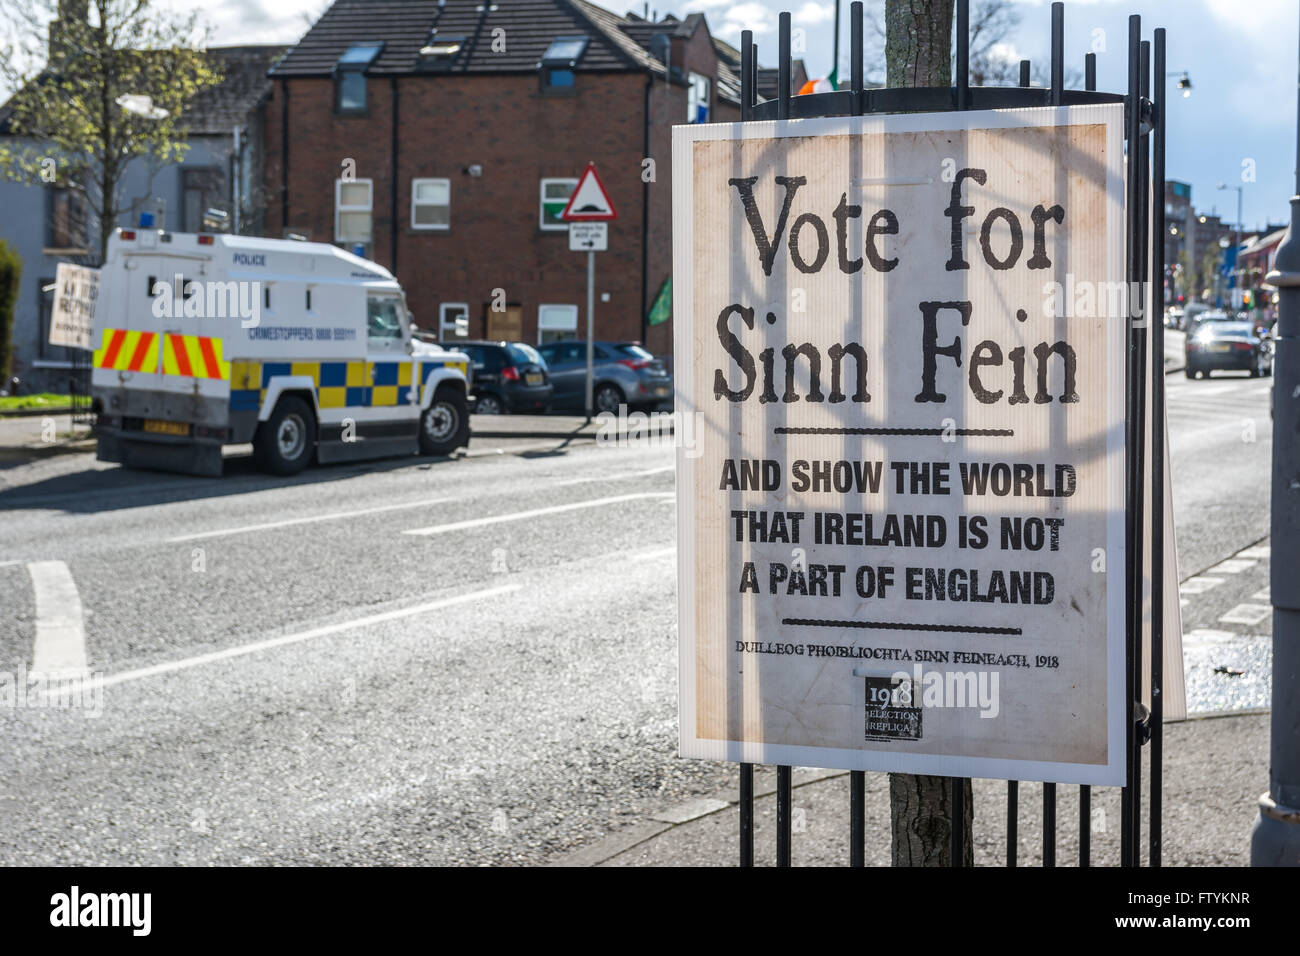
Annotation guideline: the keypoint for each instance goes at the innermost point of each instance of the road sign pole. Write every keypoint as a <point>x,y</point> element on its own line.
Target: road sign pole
<point>591,323</point>
<point>1275,839</point>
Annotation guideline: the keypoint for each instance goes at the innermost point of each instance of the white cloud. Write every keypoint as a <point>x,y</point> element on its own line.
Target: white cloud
<point>812,13</point>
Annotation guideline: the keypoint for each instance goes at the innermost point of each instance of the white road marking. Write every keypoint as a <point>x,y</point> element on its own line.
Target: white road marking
<point>656,553</point>
<point>1259,551</point>
<point>536,512</point>
<point>1233,566</point>
<point>5,564</point>
<point>1250,614</point>
<point>629,474</point>
<point>230,652</point>
<point>1263,594</point>
<point>332,516</point>
<point>1198,585</point>
<point>60,646</point>
<point>1205,391</point>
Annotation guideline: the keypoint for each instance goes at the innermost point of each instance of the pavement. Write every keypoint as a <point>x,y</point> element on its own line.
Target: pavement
<point>1212,783</point>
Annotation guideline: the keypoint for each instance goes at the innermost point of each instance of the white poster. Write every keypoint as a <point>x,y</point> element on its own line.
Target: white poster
<point>901,524</point>
<point>76,289</point>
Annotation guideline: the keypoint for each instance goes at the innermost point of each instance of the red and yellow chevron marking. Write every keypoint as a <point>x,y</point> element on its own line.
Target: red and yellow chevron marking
<point>128,350</point>
<point>194,356</point>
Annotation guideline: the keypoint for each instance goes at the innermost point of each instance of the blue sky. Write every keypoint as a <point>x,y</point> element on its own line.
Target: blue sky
<point>1241,56</point>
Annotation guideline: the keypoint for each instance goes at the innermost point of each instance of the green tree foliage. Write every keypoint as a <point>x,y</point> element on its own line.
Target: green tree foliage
<point>11,271</point>
<point>106,84</point>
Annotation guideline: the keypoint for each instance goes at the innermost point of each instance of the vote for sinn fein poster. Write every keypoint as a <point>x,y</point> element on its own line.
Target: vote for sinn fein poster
<point>901,521</point>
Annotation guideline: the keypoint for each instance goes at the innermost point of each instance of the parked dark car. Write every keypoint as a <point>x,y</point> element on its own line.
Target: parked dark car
<point>1228,344</point>
<point>623,373</point>
<point>508,377</point>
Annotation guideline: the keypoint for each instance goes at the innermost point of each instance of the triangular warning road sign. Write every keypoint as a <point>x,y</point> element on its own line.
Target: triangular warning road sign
<point>589,202</point>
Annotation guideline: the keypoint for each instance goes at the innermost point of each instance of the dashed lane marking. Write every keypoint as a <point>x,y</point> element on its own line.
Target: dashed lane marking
<point>537,512</point>
<point>1263,594</point>
<point>1232,566</point>
<point>60,646</point>
<point>1250,614</point>
<point>244,649</point>
<point>1259,552</point>
<point>1198,585</point>
<point>310,519</point>
<point>630,474</point>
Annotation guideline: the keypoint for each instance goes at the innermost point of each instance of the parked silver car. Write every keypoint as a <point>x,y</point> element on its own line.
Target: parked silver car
<point>623,373</point>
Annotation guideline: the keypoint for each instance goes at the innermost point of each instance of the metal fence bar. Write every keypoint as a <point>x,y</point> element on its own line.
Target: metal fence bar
<point>1058,52</point>
<point>1090,72</point>
<point>963,54</point>
<point>1085,826</point>
<point>1132,239</point>
<point>1049,824</point>
<point>855,55</point>
<point>1158,454</point>
<point>746,814</point>
<point>857,814</point>
<point>1024,73</point>
<point>783,68</point>
<point>784,807</point>
<point>958,830</point>
<point>746,73</point>
<point>1013,819</point>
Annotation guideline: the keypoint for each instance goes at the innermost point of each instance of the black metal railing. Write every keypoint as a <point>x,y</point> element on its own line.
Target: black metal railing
<point>1144,104</point>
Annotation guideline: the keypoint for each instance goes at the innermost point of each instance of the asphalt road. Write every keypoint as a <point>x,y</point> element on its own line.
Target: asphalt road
<point>291,676</point>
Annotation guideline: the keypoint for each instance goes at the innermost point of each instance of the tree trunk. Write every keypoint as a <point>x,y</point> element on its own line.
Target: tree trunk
<point>918,47</point>
<point>918,42</point>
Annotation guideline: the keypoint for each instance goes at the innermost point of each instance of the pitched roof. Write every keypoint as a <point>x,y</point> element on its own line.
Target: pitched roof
<point>615,43</point>
<point>405,26</point>
<point>220,108</point>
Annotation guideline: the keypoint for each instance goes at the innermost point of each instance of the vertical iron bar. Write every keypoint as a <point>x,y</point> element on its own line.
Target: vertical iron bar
<point>857,812</point>
<point>753,75</point>
<point>1090,72</point>
<point>1134,122</point>
<point>958,834</point>
<point>1085,826</point>
<point>746,814</point>
<point>1058,52</point>
<point>783,69</point>
<point>1139,543</point>
<point>963,53</point>
<point>1158,454</point>
<point>1049,824</point>
<point>855,52</point>
<point>746,73</point>
<point>1024,72</point>
<point>1013,820</point>
<point>784,798</point>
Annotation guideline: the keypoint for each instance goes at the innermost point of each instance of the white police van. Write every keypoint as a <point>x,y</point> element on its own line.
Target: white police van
<point>298,347</point>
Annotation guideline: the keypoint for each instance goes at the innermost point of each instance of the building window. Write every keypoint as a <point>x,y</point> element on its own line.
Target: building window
<point>558,80</point>
<point>555,323</point>
<point>430,203</point>
<point>559,61</point>
<point>697,99</point>
<point>350,77</point>
<point>453,320</point>
<point>353,200</point>
<point>202,190</point>
<point>65,219</point>
<point>555,196</point>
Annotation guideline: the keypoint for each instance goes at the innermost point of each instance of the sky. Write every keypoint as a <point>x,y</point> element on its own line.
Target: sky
<point>1241,56</point>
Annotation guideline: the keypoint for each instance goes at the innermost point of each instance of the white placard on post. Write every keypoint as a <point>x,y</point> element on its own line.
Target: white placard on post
<point>76,289</point>
<point>901,517</point>
<point>588,236</point>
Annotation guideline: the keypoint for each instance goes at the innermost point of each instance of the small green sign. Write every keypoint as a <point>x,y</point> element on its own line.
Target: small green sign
<point>662,310</point>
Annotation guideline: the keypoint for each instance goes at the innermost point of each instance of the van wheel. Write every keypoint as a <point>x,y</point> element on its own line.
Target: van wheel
<point>444,425</point>
<point>285,441</point>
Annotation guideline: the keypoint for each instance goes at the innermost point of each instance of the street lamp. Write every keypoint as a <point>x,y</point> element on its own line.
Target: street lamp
<point>1236,286</point>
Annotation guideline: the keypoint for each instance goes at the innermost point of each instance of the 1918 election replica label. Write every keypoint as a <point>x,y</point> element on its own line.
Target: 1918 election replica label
<point>901,521</point>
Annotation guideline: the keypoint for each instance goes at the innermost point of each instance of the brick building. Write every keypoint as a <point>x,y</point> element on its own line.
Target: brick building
<point>445,138</point>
